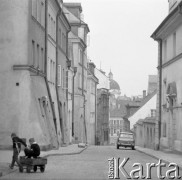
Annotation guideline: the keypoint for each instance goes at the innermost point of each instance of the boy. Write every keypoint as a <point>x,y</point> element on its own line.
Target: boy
<point>34,150</point>
<point>16,149</point>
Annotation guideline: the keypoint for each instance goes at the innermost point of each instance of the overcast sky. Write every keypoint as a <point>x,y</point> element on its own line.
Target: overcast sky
<point>120,40</point>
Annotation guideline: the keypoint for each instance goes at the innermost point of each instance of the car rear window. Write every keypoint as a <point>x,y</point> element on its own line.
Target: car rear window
<point>126,135</point>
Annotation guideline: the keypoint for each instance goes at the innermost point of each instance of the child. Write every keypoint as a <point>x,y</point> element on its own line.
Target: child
<point>16,149</point>
<point>34,150</point>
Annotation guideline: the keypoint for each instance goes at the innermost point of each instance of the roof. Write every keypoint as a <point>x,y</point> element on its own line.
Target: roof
<point>166,20</point>
<point>145,100</point>
<point>73,5</point>
<point>114,85</point>
<point>149,120</point>
<point>71,17</point>
<point>152,79</point>
<point>122,110</point>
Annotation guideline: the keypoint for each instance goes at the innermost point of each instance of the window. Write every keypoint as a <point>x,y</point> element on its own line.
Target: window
<point>38,11</point>
<point>111,122</point>
<point>33,53</point>
<point>63,79</point>
<point>111,132</point>
<point>38,56</point>
<point>80,80</point>
<point>59,38</point>
<point>42,60</point>
<point>105,135</point>
<point>153,112</point>
<point>34,8</point>
<point>53,72</point>
<point>80,56</point>
<point>164,129</point>
<point>114,131</point>
<point>42,14</point>
<point>165,50</point>
<point>54,29</point>
<point>49,70</point>
<point>59,75</point>
<point>174,44</point>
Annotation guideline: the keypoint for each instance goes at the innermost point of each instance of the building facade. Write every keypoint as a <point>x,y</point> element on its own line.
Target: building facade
<point>26,107</point>
<point>63,66</point>
<point>91,111</point>
<point>45,77</point>
<point>78,42</point>
<point>169,110</point>
<point>144,131</point>
<point>102,125</point>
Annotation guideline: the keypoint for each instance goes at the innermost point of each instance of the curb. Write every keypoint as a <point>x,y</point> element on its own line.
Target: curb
<point>155,157</point>
<point>64,154</point>
<point>48,155</point>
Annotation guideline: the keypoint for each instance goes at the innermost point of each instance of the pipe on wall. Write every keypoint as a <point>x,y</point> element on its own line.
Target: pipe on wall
<point>47,85</point>
<point>56,84</point>
<point>160,88</point>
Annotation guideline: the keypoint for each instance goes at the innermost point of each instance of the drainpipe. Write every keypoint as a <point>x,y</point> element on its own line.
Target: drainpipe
<point>96,114</point>
<point>73,97</point>
<point>84,101</point>
<point>47,85</point>
<point>57,93</point>
<point>160,88</point>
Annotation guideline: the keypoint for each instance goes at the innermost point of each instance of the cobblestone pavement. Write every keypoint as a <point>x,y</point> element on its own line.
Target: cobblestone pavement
<point>92,164</point>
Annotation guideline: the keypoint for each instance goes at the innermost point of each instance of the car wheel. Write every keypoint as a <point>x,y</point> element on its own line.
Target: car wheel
<point>133,148</point>
<point>117,146</point>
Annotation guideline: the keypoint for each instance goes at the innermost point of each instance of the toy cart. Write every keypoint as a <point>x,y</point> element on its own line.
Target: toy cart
<point>32,163</point>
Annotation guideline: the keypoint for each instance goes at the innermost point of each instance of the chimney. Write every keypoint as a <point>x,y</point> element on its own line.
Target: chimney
<point>92,67</point>
<point>144,93</point>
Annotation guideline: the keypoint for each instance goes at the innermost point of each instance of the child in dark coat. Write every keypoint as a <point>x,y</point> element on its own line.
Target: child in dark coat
<point>34,149</point>
<point>16,149</point>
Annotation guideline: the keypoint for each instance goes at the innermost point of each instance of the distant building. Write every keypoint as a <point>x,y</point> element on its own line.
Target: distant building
<point>121,107</point>
<point>91,119</point>
<point>169,96</point>
<point>152,83</point>
<point>144,131</point>
<point>114,86</point>
<point>117,121</point>
<point>102,125</point>
<point>78,41</point>
<point>148,103</point>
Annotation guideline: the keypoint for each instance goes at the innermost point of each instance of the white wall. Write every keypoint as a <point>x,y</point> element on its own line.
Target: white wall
<point>144,111</point>
<point>103,80</point>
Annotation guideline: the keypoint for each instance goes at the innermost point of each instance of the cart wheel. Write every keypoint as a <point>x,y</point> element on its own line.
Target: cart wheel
<point>28,169</point>
<point>35,168</point>
<point>42,168</point>
<point>21,169</point>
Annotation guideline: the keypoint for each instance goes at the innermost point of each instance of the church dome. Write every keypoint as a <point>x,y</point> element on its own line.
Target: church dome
<point>114,85</point>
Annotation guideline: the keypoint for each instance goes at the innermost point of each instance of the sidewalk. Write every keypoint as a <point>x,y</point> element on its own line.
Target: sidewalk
<point>6,156</point>
<point>167,156</point>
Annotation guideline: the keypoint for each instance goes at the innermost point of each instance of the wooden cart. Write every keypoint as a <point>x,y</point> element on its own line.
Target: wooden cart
<point>32,164</point>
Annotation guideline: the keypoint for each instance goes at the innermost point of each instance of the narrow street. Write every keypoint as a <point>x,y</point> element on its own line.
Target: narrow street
<point>90,164</point>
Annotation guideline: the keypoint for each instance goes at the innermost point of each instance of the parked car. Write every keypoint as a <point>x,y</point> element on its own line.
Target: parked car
<point>125,139</point>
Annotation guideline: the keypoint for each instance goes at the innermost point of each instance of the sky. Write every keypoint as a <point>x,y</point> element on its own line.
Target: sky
<point>120,39</point>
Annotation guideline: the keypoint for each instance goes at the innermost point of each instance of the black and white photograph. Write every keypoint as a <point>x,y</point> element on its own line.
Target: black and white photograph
<point>90,89</point>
